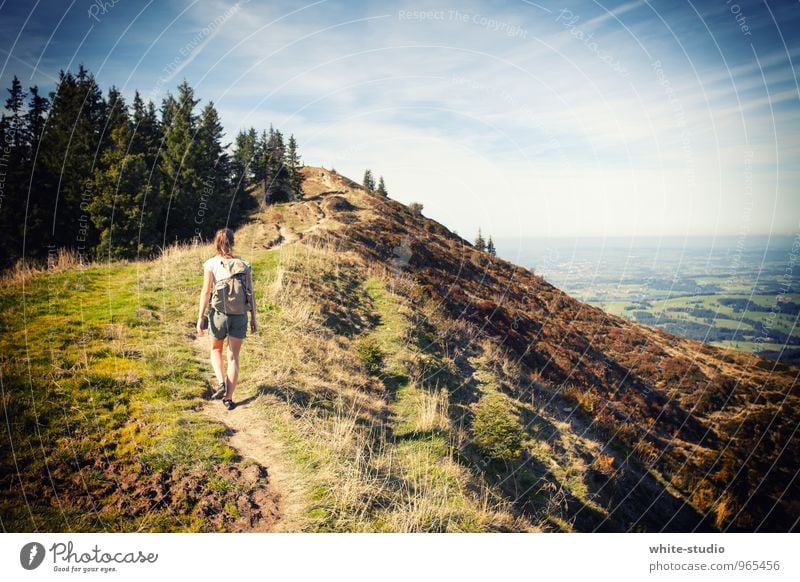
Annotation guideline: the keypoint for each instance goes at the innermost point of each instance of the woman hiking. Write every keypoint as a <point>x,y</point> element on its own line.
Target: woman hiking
<point>228,294</point>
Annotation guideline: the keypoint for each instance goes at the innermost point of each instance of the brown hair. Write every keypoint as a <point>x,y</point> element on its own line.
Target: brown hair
<point>223,241</point>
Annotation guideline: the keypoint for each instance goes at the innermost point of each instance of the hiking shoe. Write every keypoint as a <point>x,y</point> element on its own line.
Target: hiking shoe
<point>220,391</point>
<point>229,404</point>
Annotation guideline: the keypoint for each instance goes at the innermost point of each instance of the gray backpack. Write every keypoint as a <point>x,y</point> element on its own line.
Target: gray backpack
<point>231,294</point>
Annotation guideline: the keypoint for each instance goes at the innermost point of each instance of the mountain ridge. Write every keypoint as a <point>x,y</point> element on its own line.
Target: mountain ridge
<point>401,380</point>
<point>584,346</point>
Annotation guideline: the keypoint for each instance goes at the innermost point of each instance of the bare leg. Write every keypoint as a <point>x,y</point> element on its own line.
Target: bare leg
<point>234,345</point>
<point>216,358</point>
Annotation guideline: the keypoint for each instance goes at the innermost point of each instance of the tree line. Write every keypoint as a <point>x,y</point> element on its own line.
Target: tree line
<point>483,244</point>
<point>109,180</point>
<point>369,183</point>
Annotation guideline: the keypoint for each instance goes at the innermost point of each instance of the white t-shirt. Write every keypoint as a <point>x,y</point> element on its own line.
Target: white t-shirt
<point>218,269</point>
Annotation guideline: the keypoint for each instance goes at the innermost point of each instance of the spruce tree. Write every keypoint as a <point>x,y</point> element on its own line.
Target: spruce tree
<point>30,199</point>
<point>182,180</point>
<point>214,206</point>
<point>480,243</point>
<point>382,187</point>
<point>490,247</point>
<point>121,187</point>
<point>224,200</point>
<point>369,181</point>
<point>278,183</point>
<point>116,114</point>
<point>244,156</point>
<point>14,168</point>
<point>68,155</point>
<point>271,171</point>
<point>35,120</point>
<point>146,140</point>
<point>13,122</point>
<point>147,132</point>
<point>293,165</point>
<point>252,146</point>
<point>259,167</point>
<point>107,178</point>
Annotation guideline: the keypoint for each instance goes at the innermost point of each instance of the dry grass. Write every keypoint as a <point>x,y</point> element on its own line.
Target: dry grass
<point>329,413</point>
<point>59,261</point>
<point>380,449</point>
<point>604,464</point>
<point>433,411</point>
<point>362,482</point>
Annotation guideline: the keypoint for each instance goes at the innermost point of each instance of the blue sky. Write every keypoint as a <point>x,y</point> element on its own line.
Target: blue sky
<point>526,118</point>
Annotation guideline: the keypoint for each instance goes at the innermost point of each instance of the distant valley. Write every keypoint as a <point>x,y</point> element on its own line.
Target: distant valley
<point>729,291</point>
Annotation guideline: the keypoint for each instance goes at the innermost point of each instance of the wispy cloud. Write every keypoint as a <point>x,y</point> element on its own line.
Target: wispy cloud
<point>476,107</point>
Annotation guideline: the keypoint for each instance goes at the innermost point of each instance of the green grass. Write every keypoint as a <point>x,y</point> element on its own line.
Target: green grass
<point>670,309</point>
<point>359,478</point>
<point>392,324</point>
<point>98,373</point>
<point>612,307</point>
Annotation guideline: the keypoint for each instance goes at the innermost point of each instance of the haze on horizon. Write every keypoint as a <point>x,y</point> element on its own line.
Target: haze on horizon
<point>526,119</point>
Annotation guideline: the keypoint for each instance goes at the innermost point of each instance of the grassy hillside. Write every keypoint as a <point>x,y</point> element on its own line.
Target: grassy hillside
<point>400,381</point>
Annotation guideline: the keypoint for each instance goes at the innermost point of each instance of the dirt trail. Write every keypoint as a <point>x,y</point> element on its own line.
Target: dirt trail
<point>248,436</point>
<point>289,235</point>
<point>248,433</point>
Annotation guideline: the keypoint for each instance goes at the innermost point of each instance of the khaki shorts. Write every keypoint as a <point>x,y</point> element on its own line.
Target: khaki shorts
<point>223,325</point>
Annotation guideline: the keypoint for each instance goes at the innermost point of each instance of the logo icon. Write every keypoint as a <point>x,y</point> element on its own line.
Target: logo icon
<point>31,555</point>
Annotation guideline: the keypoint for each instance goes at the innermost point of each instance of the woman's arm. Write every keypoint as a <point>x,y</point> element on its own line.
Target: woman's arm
<point>253,324</point>
<point>201,309</point>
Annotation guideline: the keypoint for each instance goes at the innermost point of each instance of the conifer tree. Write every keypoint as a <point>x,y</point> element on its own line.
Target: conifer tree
<point>382,187</point>
<point>244,155</point>
<point>35,119</point>
<point>182,181</point>
<point>116,181</point>
<point>13,121</point>
<point>278,184</point>
<point>120,188</point>
<point>14,167</point>
<point>259,166</point>
<point>216,203</point>
<point>293,165</point>
<point>146,140</point>
<point>271,171</point>
<point>490,247</point>
<point>480,243</point>
<point>116,115</point>
<point>68,156</point>
<point>29,201</point>
<point>369,181</point>
<point>147,132</point>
